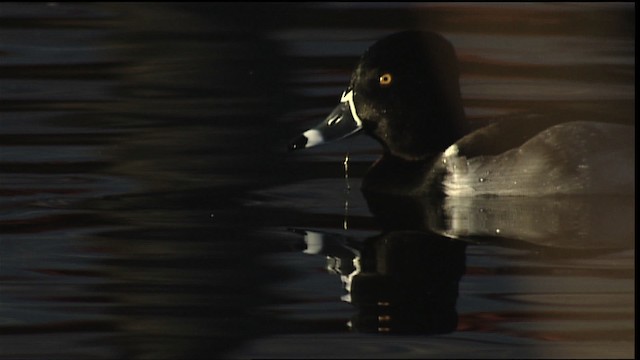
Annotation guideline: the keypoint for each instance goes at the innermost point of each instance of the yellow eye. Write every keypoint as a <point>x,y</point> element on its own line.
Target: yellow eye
<point>386,79</point>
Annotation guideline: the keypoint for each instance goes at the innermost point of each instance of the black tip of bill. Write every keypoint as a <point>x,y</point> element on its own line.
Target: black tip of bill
<point>299,143</point>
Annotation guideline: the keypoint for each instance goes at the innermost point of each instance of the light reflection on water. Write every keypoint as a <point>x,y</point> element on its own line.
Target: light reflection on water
<point>148,207</point>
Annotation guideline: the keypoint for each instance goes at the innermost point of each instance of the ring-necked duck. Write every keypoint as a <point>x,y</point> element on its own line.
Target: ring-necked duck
<point>405,93</point>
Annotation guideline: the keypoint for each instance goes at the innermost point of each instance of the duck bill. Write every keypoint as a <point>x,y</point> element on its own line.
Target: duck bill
<point>342,122</point>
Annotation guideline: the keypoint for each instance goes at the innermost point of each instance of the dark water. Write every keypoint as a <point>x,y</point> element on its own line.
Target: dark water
<point>149,209</point>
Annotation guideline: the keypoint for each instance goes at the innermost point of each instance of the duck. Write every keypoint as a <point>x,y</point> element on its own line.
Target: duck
<point>405,93</point>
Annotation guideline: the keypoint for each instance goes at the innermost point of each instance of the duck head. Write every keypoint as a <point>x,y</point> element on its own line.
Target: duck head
<point>405,93</point>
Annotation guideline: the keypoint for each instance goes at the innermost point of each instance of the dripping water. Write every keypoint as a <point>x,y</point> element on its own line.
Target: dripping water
<point>347,190</point>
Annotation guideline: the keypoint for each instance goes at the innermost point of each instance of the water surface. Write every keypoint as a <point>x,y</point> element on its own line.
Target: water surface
<point>149,210</point>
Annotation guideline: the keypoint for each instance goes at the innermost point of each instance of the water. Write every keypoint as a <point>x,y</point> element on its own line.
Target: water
<point>149,209</point>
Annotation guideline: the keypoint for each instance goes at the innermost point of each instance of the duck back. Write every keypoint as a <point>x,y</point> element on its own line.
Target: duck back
<point>573,158</point>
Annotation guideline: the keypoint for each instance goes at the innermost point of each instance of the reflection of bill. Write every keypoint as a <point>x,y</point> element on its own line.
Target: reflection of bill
<point>400,282</point>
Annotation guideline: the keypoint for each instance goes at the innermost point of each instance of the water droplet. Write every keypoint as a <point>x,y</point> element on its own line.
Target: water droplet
<point>482,180</point>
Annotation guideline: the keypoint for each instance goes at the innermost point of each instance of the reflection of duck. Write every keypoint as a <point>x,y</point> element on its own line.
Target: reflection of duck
<point>549,223</point>
<point>405,93</point>
<point>405,280</point>
<point>400,282</point>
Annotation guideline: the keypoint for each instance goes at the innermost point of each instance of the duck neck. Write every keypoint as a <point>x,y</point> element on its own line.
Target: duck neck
<point>422,135</point>
<point>394,175</point>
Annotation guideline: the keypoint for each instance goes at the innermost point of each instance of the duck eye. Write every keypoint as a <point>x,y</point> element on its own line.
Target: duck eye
<point>386,79</point>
